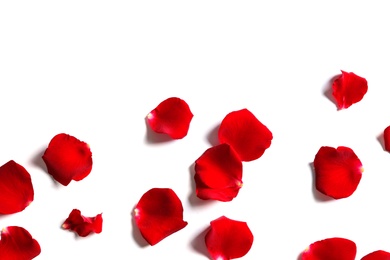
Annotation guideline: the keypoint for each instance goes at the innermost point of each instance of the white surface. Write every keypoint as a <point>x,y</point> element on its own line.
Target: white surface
<point>95,69</point>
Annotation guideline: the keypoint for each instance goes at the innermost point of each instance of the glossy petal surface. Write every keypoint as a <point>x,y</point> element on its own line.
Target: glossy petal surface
<point>386,137</point>
<point>349,89</point>
<point>337,171</point>
<point>67,159</point>
<point>82,225</point>
<point>17,244</point>
<point>228,239</point>
<point>377,255</point>
<point>172,117</point>
<point>245,133</point>
<point>218,174</point>
<point>16,190</point>
<point>331,249</point>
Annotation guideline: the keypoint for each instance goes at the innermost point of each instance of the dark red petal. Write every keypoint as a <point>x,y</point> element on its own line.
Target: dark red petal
<point>349,89</point>
<point>228,239</point>
<point>338,171</point>
<point>386,137</point>
<point>17,244</point>
<point>16,190</point>
<point>377,255</point>
<point>68,158</point>
<point>158,214</point>
<point>245,133</point>
<point>331,249</point>
<point>172,117</point>
<point>82,225</point>
<point>218,173</point>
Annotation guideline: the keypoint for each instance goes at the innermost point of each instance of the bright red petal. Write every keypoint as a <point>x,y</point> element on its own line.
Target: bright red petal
<point>16,190</point>
<point>218,173</point>
<point>338,171</point>
<point>172,117</point>
<point>386,137</point>
<point>246,134</point>
<point>68,158</point>
<point>377,255</point>
<point>17,244</point>
<point>331,249</point>
<point>349,89</point>
<point>158,214</point>
<point>83,226</point>
<point>228,239</point>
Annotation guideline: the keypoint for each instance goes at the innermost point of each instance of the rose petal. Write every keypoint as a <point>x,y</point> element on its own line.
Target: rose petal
<point>218,174</point>
<point>245,133</point>
<point>17,244</point>
<point>331,249</point>
<point>68,158</point>
<point>386,137</point>
<point>172,117</point>
<point>377,255</point>
<point>158,214</point>
<point>349,89</point>
<point>16,190</point>
<point>82,225</point>
<point>228,239</point>
<point>337,171</point>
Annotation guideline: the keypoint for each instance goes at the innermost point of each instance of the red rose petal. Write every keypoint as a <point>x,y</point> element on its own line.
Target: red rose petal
<point>331,249</point>
<point>349,89</point>
<point>172,117</point>
<point>158,214</point>
<point>386,137</point>
<point>338,171</point>
<point>228,239</point>
<point>17,244</point>
<point>68,158</point>
<point>82,225</point>
<point>245,133</point>
<point>16,190</point>
<point>218,173</point>
<point>377,255</point>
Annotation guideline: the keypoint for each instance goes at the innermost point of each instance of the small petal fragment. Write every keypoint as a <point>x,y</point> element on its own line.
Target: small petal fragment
<point>158,214</point>
<point>331,249</point>
<point>228,239</point>
<point>172,117</point>
<point>377,255</point>
<point>349,89</point>
<point>337,171</point>
<point>246,134</point>
<point>218,174</point>
<point>386,137</point>
<point>17,244</point>
<point>67,159</point>
<point>16,190</point>
<point>82,225</point>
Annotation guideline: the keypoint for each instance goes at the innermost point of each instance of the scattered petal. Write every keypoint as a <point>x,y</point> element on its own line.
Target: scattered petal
<point>172,117</point>
<point>331,249</point>
<point>228,239</point>
<point>158,214</point>
<point>16,243</point>
<point>337,171</point>
<point>16,190</point>
<point>246,134</point>
<point>83,226</point>
<point>218,174</point>
<point>349,89</point>
<point>386,137</point>
<point>377,255</point>
<point>67,159</point>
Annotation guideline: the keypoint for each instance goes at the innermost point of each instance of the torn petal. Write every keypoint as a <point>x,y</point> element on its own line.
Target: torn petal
<point>82,225</point>
<point>377,255</point>
<point>16,243</point>
<point>331,249</point>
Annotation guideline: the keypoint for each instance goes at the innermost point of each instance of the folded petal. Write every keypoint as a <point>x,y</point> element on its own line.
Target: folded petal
<point>377,255</point>
<point>386,137</point>
<point>82,225</point>
<point>331,249</point>
<point>16,190</point>
<point>245,133</point>
<point>17,244</point>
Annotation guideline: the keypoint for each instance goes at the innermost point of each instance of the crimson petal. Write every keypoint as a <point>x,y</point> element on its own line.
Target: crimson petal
<point>82,225</point>
<point>172,117</point>
<point>17,244</point>
<point>228,239</point>
<point>158,214</point>
<point>331,249</point>
<point>16,190</point>
<point>337,171</point>
<point>67,159</point>
<point>245,133</point>
<point>218,173</point>
<point>377,255</point>
<point>386,137</point>
<point>349,89</point>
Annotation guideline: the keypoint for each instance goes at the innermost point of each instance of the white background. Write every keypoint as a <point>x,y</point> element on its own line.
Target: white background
<point>95,69</point>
